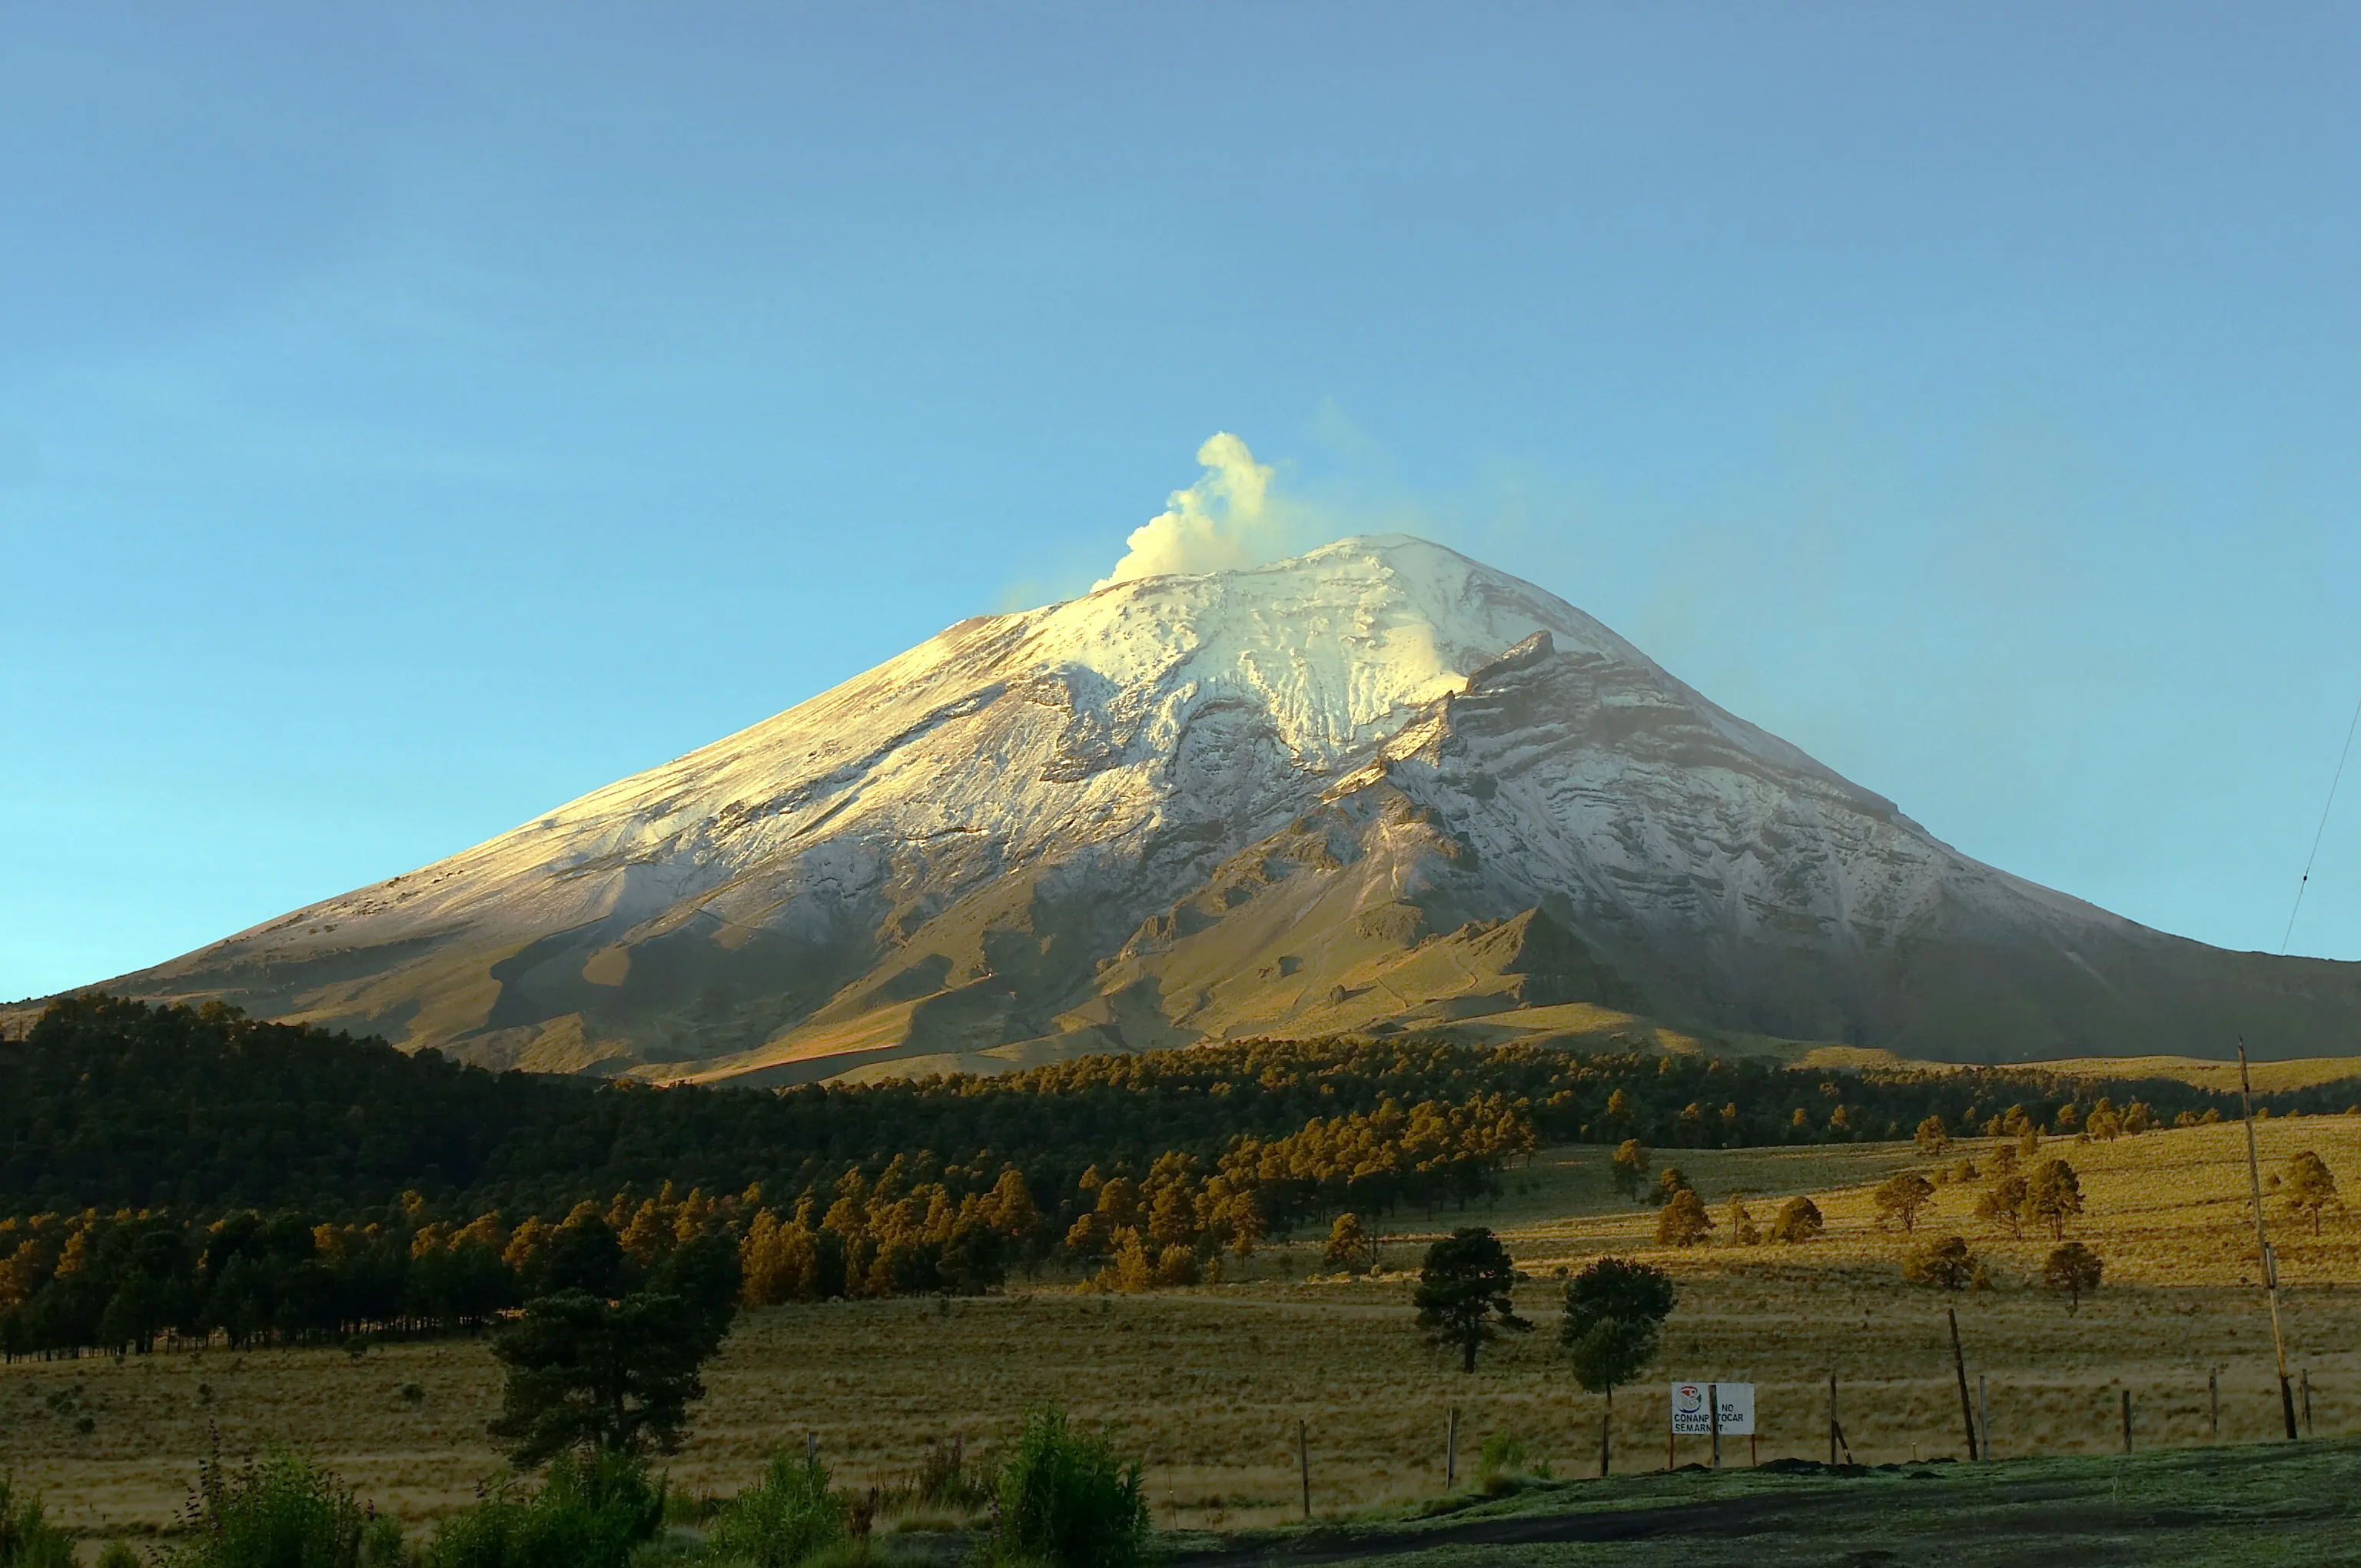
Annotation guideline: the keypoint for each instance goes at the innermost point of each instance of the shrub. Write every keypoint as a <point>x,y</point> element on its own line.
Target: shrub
<point>2003,1203</point>
<point>2053,1196</point>
<point>1946,1265</point>
<point>1350,1247</point>
<point>1684,1221</point>
<point>118,1555</point>
<point>1798,1220</point>
<point>2071,1271</point>
<point>785,1518</point>
<point>279,1511</point>
<point>1500,1464</point>
<point>590,1513</point>
<point>1901,1196</point>
<point>1068,1500</point>
<point>28,1539</point>
<point>946,1480</point>
<point>1631,1166</point>
<point>2310,1189</point>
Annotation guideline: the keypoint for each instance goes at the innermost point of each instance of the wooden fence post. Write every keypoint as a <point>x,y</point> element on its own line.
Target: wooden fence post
<point>1713,1417</point>
<point>1303,1458</point>
<point>1451,1451</point>
<point>2307,1401</point>
<point>1960,1366</point>
<point>2213,1403</point>
<point>1832,1419</point>
<point>2127,1420</point>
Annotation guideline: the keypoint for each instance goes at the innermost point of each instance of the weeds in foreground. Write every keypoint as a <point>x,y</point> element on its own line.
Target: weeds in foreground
<point>1503,1466</point>
<point>592,1512</point>
<point>28,1539</point>
<point>788,1517</point>
<point>1067,1500</point>
<point>279,1511</point>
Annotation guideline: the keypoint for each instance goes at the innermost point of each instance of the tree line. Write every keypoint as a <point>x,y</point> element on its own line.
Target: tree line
<point>168,1171</point>
<point>111,1103</point>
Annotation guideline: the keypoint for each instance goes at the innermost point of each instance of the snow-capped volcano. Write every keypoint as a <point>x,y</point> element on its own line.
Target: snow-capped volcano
<point>1377,786</point>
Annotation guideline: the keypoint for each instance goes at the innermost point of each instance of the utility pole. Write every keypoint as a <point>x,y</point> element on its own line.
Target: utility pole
<point>2262,1244</point>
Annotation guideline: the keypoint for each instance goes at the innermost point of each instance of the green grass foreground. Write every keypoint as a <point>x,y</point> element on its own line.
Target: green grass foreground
<point>2258,1504</point>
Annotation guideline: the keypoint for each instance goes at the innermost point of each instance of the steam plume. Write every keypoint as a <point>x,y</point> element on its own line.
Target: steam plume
<point>1227,519</point>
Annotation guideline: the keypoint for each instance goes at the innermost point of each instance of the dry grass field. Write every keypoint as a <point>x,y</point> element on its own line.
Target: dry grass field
<point>1210,1383</point>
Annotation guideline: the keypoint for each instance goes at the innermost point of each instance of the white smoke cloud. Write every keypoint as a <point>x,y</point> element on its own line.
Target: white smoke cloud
<point>1227,519</point>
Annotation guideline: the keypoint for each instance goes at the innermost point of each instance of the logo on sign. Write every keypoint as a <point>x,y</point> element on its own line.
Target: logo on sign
<point>1693,1409</point>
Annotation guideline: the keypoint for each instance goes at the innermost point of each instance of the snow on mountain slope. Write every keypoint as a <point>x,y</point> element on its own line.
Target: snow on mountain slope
<point>1131,818</point>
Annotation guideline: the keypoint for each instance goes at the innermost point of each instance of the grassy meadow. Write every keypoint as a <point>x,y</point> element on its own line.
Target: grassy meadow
<point>1210,1383</point>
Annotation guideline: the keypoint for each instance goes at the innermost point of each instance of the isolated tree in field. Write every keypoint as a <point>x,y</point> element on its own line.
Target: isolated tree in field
<point>2071,1271</point>
<point>1743,1231</point>
<point>1463,1296</point>
<point>1933,1136</point>
<point>616,1376</point>
<point>2309,1187</point>
<point>1614,1320</point>
<point>1798,1221</point>
<point>1669,1181</point>
<point>1946,1265</point>
<point>1631,1166</point>
<point>1901,1196</point>
<point>1684,1221</point>
<point>2053,1195</point>
<point>2002,1203</point>
<point>1349,1246</point>
<point>2003,1159</point>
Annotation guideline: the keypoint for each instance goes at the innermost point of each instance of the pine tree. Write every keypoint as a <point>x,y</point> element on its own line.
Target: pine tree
<point>1615,1312</point>
<point>1463,1296</point>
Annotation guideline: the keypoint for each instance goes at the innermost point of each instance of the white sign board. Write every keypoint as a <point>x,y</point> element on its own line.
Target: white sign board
<point>1693,1417</point>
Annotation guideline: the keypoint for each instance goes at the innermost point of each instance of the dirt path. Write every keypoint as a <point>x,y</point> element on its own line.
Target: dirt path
<point>1734,1516</point>
<point>2295,1504</point>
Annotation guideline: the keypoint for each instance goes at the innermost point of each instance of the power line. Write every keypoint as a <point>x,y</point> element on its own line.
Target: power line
<point>2305,881</point>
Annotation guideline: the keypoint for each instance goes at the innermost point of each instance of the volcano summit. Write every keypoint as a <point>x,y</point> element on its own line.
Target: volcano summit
<point>1377,787</point>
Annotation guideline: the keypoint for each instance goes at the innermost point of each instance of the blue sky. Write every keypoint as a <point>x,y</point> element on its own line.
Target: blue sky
<point>412,417</point>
